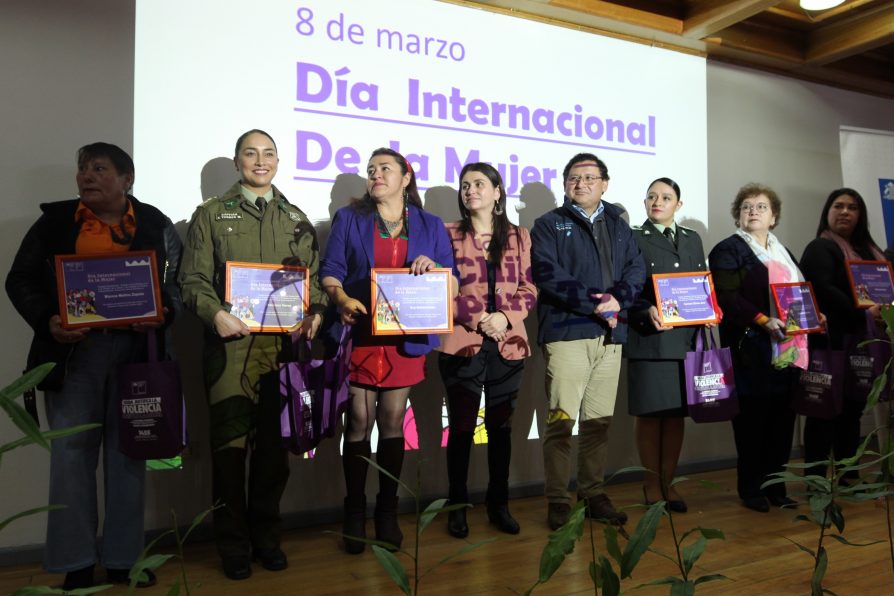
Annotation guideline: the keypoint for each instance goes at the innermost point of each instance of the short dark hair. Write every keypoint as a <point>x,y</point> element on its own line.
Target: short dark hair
<point>244,135</point>
<point>860,239</point>
<point>501,226</point>
<point>365,203</point>
<point>122,161</point>
<point>669,182</point>
<point>751,190</point>
<point>603,169</point>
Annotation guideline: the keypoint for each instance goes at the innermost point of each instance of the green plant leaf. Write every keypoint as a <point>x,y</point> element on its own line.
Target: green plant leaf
<point>27,381</point>
<point>34,511</point>
<point>836,517</point>
<point>642,538</point>
<point>711,578</point>
<point>174,590</point>
<point>25,423</point>
<point>611,583</point>
<point>678,480</point>
<point>393,567</point>
<point>389,474</point>
<point>611,543</point>
<point>682,588</point>
<point>855,459</point>
<point>49,435</point>
<point>806,549</point>
<point>430,513</point>
<point>844,540</point>
<point>561,542</point>
<point>464,550</point>
<point>878,385</point>
<point>819,571</point>
<point>659,582</point>
<point>691,553</point>
<point>197,521</point>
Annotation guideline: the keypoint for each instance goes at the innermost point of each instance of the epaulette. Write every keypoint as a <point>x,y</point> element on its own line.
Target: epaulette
<point>208,200</point>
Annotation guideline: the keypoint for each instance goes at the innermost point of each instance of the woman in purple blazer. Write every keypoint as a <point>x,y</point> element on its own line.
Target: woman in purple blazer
<point>387,227</point>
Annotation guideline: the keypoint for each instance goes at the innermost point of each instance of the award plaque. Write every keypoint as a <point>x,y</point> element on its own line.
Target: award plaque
<point>685,298</point>
<point>108,290</point>
<point>404,304</point>
<point>870,282</point>
<point>796,307</point>
<point>268,298</point>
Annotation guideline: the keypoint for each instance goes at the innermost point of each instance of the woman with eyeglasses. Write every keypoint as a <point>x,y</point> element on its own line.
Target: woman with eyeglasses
<point>842,234</point>
<point>765,360</point>
<point>656,391</point>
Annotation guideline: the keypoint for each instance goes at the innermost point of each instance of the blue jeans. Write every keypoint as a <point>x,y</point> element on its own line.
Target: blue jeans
<point>90,394</point>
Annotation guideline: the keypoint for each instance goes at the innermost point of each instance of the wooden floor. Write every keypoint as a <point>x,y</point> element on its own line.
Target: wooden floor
<point>755,555</point>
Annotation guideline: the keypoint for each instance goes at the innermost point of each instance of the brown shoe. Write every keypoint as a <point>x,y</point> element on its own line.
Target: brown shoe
<point>557,515</point>
<point>599,507</point>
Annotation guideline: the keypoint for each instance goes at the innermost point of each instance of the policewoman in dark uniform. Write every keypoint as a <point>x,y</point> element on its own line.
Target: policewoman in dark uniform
<point>655,353</point>
<point>252,222</point>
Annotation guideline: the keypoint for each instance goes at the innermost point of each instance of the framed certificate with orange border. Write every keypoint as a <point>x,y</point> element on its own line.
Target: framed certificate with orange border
<point>403,303</point>
<point>796,307</point>
<point>108,290</point>
<point>685,298</point>
<point>268,298</point>
<point>870,282</point>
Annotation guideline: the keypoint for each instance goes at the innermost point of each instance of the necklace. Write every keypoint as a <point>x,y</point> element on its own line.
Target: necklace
<point>387,227</point>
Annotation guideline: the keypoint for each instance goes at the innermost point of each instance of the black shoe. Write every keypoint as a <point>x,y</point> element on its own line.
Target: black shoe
<point>499,516</point>
<point>557,515</point>
<point>271,559</point>
<point>122,576</point>
<point>354,525</point>
<point>237,567</point>
<point>456,523</point>
<point>600,508</point>
<point>782,501</point>
<point>80,578</point>
<point>758,504</point>
<point>387,526</point>
<point>678,506</point>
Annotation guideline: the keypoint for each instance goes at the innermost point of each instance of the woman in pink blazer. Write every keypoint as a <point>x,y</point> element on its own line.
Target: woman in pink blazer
<point>487,348</point>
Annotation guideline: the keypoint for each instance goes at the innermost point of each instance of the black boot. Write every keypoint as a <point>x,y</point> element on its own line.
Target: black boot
<point>355,469</point>
<point>390,457</point>
<point>459,447</point>
<point>499,450</point>
<point>80,578</point>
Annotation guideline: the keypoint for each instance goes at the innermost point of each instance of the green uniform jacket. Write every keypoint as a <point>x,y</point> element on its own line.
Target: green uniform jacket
<point>230,228</point>
<point>660,256</point>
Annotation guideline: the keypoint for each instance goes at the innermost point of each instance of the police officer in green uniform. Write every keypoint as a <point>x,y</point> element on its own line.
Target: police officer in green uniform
<point>251,222</point>
<point>656,393</point>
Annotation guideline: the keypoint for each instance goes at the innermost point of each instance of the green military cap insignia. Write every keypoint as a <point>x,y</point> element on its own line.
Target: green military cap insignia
<point>231,203</point>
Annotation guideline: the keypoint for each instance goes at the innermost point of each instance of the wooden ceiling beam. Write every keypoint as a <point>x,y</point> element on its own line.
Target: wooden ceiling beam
<point>623,14</point>
<point>710,16</point>
<point>760,42</point>
<point>862,33</point>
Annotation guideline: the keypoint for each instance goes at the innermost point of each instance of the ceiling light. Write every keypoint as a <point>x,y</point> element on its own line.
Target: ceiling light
<point>819,4</point>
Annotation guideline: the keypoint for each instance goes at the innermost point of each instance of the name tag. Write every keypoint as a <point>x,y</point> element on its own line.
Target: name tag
<point>228,215</point>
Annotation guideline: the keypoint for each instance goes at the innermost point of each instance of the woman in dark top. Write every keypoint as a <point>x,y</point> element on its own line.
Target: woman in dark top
<point>655,353</point>
<point>842,234</point>
<point>764,358</point>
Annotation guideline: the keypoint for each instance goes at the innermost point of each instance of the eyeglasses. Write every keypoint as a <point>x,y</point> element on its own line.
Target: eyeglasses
<point>759,207</point>
<point>588,180</point>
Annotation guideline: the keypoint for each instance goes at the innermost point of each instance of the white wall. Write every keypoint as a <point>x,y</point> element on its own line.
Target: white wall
<point>67,80</point>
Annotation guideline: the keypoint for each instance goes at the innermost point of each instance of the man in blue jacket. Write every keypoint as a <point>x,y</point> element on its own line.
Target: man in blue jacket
<point>588,270</point>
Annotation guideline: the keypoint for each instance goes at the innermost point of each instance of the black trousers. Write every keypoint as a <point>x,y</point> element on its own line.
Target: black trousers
<point>763,432</point>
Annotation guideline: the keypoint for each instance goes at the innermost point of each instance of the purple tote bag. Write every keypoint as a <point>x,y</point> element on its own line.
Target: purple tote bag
<point>710,383</point>
<point>820,387</point>
<point>315,394</point>
<point>151,410</point>
<point>865,363</point>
